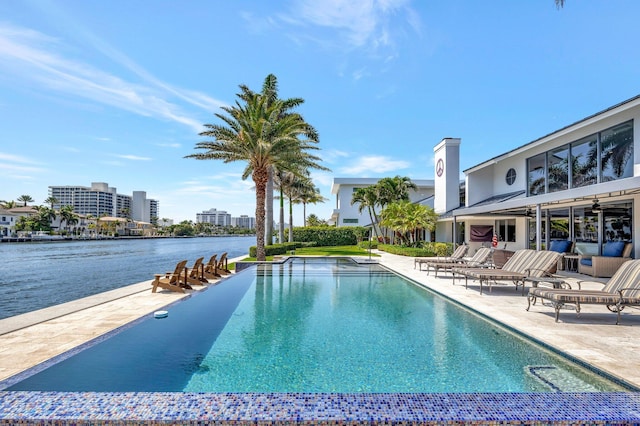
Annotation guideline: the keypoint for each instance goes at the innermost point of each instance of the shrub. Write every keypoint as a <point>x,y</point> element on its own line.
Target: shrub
<point>275,249</point>
<point>368,245</point>
<point>428,249</point>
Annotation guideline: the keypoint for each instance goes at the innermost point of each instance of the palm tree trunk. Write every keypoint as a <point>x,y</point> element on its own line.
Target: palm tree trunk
<point>260,178</point>
<point>304,213</point>
<point>281,224</point>
<point>269,207</point>
<point>290,220</point>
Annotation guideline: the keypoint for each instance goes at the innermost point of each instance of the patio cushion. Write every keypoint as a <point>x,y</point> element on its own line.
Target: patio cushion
<point>613,248</point>
<point>561,246</point>
<point>587,262</point>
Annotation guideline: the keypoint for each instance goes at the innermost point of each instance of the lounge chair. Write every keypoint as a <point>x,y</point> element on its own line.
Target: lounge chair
<point>456,256</point>
<point>173,281</point>
<point>524,263</point>
<point>614,254</point>
<point>210,269</point>
<point>195,274</point>
<point>623,289</point>
<point>478,260</point>
<point>223,267</point>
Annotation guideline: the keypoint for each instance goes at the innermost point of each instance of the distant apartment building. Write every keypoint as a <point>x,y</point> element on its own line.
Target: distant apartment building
<point>214,217</point>
<point>244,222</point>
<point>102,200</point>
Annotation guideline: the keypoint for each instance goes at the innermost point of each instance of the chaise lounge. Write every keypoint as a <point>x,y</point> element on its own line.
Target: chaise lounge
<point>623,289</point>
<point>523,264</point>
<point>456,256</point>
<point>478,260</point>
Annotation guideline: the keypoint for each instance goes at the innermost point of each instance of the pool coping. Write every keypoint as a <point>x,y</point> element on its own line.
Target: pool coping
<point>283,408</point>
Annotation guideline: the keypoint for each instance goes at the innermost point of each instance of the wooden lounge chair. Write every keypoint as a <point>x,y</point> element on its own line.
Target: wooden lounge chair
<point>223,267</point>
<point>456,256</point>
<point>479,260</point>
<point>522,264</point>
<point>623,289</point>
<point>195,275</point>
<point>210,269</point>
<point>173,281</point>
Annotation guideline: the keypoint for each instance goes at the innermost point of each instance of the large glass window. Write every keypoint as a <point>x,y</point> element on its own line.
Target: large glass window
<point>535,171</point>
<point>558,168</point>
<point>559,224</point>
<point>584,162</point>
<point>585,229</point>
<point>616,154</point>
<point>506,230</point>
<point>617,222</point>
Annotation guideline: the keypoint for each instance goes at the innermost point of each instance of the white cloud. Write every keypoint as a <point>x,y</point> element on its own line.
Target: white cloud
<point>374,164</point>
<point>364,22</point>
<point>38,59</point>
<point>133,157</point>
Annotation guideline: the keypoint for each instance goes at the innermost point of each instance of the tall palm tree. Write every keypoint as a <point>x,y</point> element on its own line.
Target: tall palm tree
<point>262,131</point>
<point>25,199</point>
<point>310,196</point>
<point>559,4</point>
<point>8,204</point>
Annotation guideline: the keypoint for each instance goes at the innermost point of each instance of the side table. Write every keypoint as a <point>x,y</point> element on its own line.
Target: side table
<point>571,262</point>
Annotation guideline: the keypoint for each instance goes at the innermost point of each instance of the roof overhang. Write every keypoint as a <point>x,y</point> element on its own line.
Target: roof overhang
<point>517,206</point>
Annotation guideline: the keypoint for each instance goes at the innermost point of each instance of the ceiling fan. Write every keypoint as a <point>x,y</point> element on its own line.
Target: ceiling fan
<point>595,208</point>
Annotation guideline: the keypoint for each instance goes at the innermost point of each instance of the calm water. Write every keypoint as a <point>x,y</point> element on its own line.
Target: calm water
<point>39,275</point>
<point>316,325</point>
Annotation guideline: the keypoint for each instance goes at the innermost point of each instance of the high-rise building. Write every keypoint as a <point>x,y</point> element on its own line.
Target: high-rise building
<point>215,217</point>
<point>102,200</point>
<point>244,221</point>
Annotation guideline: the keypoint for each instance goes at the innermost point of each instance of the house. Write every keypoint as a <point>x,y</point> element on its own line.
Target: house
<point>581,182</point>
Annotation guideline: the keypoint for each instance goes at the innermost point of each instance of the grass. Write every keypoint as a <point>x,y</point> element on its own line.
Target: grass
<point>325,251</point>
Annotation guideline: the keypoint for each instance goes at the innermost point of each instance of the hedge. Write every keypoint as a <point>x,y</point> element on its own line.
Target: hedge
<point>329,236</point>
<point>427,250</point>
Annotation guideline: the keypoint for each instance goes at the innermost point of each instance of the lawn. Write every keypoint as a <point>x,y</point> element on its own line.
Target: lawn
<point>325,251</point>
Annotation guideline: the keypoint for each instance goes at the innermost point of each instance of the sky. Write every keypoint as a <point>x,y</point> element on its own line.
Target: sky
<point>118,91</point>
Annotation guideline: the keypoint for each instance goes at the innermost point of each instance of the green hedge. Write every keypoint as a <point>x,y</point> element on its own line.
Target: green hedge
<point>368,245</point>
<point>427,250</point>
<point>329,236</point>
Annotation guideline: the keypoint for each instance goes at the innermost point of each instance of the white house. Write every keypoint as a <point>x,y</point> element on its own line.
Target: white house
<point>580,182</point>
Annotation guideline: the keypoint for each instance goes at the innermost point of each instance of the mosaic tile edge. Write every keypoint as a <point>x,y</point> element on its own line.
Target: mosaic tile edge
<point>62,408</point>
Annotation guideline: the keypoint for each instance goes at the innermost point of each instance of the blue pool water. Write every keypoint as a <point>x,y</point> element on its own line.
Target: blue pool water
<point>315,325</point>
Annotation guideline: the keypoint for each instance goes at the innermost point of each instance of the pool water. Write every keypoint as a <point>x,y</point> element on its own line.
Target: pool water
<point>316,325</point>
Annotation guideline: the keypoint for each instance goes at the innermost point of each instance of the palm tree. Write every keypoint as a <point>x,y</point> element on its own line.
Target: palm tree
<point>67,215</point>
<point>8,204</point>
<point>394,189</point>
<point>261,131</point>
<point>51,201</point>
<point>406,218</point>
<point>367,198</point>
<point>559,4</point>
<point>25,199</point>
<point>310,196</point>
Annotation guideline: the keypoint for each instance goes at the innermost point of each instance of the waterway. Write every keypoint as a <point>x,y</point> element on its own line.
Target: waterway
<point>38,275</point>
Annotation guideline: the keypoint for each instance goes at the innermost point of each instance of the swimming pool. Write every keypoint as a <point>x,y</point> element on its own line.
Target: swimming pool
<point>315,326</point>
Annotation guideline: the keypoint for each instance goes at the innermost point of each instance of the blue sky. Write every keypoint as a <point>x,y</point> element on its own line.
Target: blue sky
<point>117,91</point>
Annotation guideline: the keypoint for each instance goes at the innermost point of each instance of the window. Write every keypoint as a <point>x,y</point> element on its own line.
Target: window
<point>511,176</point>
<point>584,164</point>
<point>558,168</point>
<point>349,220</point>
<point>536,172</point>
<point>616,152</point>
<point>506,230</point>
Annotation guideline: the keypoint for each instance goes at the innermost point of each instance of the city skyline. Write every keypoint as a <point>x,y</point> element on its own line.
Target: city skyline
<point>85,100</point>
